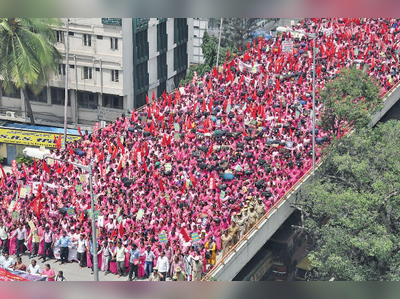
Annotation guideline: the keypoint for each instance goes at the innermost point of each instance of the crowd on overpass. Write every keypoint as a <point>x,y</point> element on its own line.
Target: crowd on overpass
<point>188,175</point>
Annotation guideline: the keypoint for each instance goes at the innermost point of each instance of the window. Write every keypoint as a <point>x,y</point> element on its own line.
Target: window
<point>61,69</point>
<point>59,36</point>
<point>58,96</point>
<point>113,101</point>
<point>141,78</point>
<point>41,97</point>
<point>87,40</point>
<point>162,37</point>
<point>162,67</point>
<point>180,58</point>
<point>71,66</point>
<point>14,93</point>
<point>99,37</point>
<point>161,88</point>
<point>114,43</point>
<point>70,33</point>
<point>87,100</point>
<point>114,75</point>
<point>180,30</point>
<point>142,46</point>
<point>87,73</point>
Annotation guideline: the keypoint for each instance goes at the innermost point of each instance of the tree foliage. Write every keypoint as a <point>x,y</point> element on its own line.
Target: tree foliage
<point>27,54</point>
<point>238,30</point>
<point>349,100</point>
<point>353,211</point>
<point>210,51</point>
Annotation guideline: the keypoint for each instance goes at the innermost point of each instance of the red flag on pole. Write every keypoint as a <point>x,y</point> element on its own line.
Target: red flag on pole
<point>45,167</point>
<point>153,96</point>
<point>2,170</point>
<point>79,130</point>
<point>193,180</point>
<point>121,230</point>
<point>185,235</point>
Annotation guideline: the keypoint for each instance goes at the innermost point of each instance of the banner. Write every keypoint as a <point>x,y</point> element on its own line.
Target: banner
<point>195,237</point>
<point>162,238</point>
<point>287,47</point>
<point>32,138</point>
<point>109,114</point>
<point>140,214</point>
<point>253,69</point>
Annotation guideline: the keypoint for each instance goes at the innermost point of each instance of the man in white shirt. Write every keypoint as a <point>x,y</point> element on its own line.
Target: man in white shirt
<point>6,261</point>
<point>34,268</point>
<point>81,251</point>
<point>163,265</point>
<point>3,237</point>
<point>119,254</point>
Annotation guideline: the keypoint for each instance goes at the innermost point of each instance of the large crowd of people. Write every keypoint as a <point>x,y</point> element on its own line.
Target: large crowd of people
<point>185,177</point>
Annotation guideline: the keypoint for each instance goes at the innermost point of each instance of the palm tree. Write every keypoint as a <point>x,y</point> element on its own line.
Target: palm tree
<point>27,55</point>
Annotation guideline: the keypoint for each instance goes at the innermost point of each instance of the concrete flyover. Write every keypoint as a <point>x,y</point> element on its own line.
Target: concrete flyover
<point>234,261</point>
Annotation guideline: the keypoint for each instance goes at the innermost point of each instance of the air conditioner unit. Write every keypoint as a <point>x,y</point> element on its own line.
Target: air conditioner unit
<point>11,114</point>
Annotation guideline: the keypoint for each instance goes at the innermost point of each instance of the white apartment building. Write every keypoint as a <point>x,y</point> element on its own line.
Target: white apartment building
<point>113,64</point>
<point>200,25</point>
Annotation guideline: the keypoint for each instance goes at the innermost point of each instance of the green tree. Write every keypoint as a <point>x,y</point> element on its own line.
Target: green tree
<point>353,211</point>
<point>349,100</point>
<point>238,30</point>
<point>27,55</point>
<point>209,47</point>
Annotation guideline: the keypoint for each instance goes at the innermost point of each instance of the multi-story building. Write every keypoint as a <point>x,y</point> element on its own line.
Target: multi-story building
<point>113,65</point>
<point>200,25</point>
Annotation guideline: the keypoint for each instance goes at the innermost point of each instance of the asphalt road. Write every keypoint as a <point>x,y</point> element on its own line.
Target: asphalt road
<point>72,271</point>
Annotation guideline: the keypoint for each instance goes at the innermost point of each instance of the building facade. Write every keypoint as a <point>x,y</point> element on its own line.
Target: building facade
<point>113,65</point>
<point>200,25</point>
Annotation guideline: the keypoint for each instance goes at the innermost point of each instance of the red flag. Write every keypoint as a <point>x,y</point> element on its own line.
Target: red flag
<point>79,130</point>
<point>147,99</point>
<point>60,140</point>
<point>109,146</point>
<point>184,234</point>
<point>96,151</point>
<point>121,230</point>
<point>34,166</point>
<point>204,105</point>
<point>56,141</point>
<point>161,185</point>
<point>114,153</point>
<point>248,45</point>
<point>183,187</point>
<point>169,140</point>
<point>71,152</point>
<point>145,166</point>
<point>210,150</point>
<point>70,168</point>
<point>119,166</point>
<point>101,156</point>
<point>300,80</point>
<point>153,96</point>
<point>209,86</point>
<point>82,217</point>
<point>193,180</point>
<point>215,72</point>
<point>25,169</point>
<point>45,167</point>
<point>2,170</point>
<point>2,183</point>
<point>60,170</point>
<point>163,141</point>
<point>113,234</point>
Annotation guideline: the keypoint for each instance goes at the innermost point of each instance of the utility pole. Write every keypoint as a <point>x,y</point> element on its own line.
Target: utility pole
<point>219,40</point>
<point>66,83</point>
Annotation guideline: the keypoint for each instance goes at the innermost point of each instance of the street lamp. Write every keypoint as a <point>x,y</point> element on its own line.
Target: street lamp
<point>313,36</point>
<point>89,169</point>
